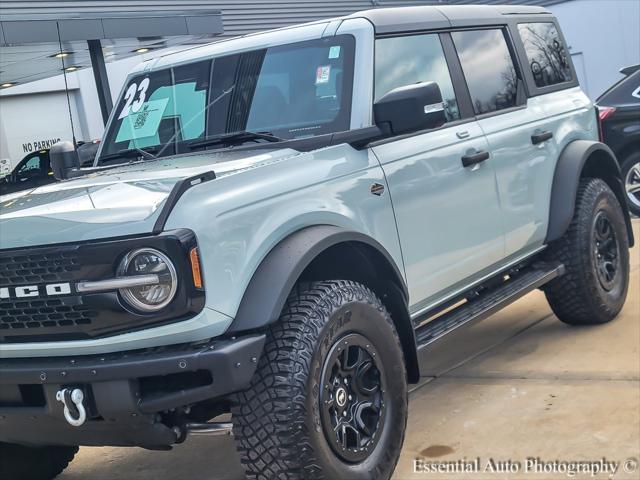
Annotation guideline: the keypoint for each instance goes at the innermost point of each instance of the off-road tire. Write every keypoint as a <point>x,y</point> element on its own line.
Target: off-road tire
<point>578,297</point>
<point>626,165</point>
<point>277,422</point>
<point>33,463</point>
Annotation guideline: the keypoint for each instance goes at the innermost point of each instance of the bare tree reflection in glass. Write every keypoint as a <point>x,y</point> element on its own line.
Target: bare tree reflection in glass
<point>547,55</point>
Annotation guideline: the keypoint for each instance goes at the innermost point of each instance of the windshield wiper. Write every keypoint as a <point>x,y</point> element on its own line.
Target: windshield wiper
<point>144,152</point>
<point>211,104</point>
<point>234,138</point>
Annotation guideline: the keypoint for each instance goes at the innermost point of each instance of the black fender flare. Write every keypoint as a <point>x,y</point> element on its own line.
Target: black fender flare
<point>569,169</point>
<point>275,277</point>
<point>272,282</point>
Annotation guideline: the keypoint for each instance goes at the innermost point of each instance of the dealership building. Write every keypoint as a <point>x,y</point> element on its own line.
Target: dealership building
<point>62,63</point>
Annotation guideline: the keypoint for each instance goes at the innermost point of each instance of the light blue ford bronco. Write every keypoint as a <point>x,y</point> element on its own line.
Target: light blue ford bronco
<point>281,227</point>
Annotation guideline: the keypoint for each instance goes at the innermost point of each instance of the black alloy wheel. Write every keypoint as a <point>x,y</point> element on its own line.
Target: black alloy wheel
<point>352,397</point>
<point>605,250</point>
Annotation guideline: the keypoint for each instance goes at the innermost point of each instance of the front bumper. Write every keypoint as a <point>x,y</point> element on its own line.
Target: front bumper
<point>131,397</point>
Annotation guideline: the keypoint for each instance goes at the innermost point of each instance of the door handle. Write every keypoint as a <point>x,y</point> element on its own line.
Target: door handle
<point>474,158</point>
<point>537,138</point>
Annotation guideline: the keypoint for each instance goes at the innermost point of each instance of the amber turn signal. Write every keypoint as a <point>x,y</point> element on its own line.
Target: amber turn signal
<point>195,267</point>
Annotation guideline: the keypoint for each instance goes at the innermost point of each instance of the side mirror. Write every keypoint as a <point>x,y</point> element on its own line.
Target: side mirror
<point>87,153</point>
<point>410,108</point>
<point>64,159</point>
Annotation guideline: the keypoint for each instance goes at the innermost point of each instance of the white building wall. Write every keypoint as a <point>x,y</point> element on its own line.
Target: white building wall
<point>603,36</point>
<point>35,110</point>
<point>36,121</point>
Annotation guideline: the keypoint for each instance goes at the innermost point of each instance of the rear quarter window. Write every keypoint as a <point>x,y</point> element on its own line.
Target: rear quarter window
<point>546,53</point>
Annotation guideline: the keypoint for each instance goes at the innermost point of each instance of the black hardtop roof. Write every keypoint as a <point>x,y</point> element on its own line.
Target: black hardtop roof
<point>428,17</point>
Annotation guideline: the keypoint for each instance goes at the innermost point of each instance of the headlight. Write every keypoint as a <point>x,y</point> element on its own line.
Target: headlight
<point>154,296</point>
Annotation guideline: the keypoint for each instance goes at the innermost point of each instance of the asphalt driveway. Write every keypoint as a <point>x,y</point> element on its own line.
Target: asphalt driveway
<point>514,394</point>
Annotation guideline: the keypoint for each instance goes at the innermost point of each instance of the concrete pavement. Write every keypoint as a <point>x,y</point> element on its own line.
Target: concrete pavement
<point>520,384</point>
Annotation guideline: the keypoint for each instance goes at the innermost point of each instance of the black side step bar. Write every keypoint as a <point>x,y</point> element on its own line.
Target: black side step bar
<point>488,302</point>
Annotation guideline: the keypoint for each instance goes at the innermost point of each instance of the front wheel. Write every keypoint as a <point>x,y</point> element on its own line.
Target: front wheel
<point>329,398</point>
<point>595,252</point>
<point>18,462</point>
<point>631,174</point>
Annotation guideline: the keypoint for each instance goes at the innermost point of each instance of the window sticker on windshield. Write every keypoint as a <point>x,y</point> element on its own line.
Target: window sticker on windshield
<point>131,103</point>
<point>334,52</point>
<point>144,122</point>
<point>322,74</point>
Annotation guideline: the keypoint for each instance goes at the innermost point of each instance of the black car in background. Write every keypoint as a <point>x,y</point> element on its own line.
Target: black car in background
<point>34,170</point>
<point>619,113</point>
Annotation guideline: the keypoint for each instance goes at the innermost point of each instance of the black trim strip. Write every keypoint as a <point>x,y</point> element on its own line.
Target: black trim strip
<point>460,88</point>
<point>177,192</point>
<point>403,136</point>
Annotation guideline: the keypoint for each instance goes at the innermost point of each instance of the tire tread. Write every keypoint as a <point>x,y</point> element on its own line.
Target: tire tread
<point>269,417</point>
<point>38,463</point>
<point>574,297</point>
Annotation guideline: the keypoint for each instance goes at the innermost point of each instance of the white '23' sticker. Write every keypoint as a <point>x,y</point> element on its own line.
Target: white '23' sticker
<point>131,103</point>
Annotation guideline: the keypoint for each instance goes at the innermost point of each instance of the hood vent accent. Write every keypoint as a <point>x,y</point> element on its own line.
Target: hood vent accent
<point>177,192</point>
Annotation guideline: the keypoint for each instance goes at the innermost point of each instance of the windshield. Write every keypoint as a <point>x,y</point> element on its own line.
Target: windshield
<point>289,91</point>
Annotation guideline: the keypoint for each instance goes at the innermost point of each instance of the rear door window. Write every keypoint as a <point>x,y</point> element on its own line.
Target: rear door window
<point>547,56</point>
<point>412,59</point>
<point>489,69</point>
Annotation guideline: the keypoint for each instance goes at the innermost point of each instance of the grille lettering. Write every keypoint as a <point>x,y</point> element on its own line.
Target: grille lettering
<point>58,289</point>
<point>28,291</point>
<point>31,291</point>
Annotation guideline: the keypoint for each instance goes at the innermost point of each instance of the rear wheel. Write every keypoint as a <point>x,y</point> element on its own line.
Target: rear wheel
<point>595,252</point>
<point>33,463</point>
<point>329,397</point>
<point>631,176</point>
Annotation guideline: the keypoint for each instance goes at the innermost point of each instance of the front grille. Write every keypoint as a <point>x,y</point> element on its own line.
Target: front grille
<point>32,314</point>
<point>40,317</point>
<point>39,301</point>
<point>39,268</point>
